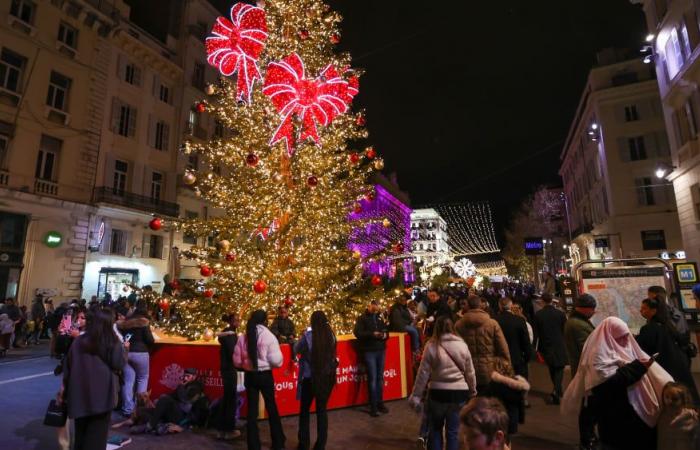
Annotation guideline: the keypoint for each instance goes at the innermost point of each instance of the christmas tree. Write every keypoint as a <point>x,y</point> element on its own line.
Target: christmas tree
<point>286,174</point>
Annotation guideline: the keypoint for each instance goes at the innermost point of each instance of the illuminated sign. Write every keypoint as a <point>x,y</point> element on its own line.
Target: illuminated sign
<point>534,246</point>
<point>53,239</point>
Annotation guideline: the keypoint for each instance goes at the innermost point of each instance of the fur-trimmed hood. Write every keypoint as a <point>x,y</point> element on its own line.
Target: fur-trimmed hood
<point>133,322</point>
<point>518,383</point>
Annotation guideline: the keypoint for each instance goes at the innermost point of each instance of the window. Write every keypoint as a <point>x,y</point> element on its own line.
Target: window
<point>654,240</point>
<point>47,160</point>
<point>631,113</point>
<point>58,91</point>
<point>117,243</point>
<point>645,191</point>
<point>132,74</point>
<point>68,35</point>
<point>4,143</point>
<point>156,186</point>
<point>685,42</point>
<point>637,148</point>
<point>198,76</point>
<point>121,170</point>
<point>164,94</point>
<point>162,131</point>
<point>695,196</point>
<point>123,118</point>
<point>23,10</point>
<point>152,246</point>
<point>190,238</point>
<point>11,67</point>
<point>674,54</point>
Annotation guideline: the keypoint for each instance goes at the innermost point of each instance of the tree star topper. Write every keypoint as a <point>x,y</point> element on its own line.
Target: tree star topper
<point>312,100</point>
<point>236,45</point>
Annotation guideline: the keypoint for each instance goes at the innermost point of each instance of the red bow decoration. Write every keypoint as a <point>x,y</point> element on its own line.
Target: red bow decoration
<point>317,100</point>
<point>236,45</point>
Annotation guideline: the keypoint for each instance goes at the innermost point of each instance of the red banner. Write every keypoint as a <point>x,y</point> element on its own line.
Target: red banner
<point>169,360</point>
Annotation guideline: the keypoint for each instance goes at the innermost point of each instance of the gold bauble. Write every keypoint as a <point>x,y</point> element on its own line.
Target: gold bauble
<point>386,223</point>
<point>356,254</point>
<point>208,334</point>
<point>210,89</point>
<point>224,245</point>
<point>379,164</point>
<point>189,178</point>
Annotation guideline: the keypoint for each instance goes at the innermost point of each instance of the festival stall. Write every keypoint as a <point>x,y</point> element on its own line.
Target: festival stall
<point>172,355</point>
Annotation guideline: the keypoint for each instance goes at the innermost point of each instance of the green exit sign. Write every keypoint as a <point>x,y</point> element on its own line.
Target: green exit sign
<point>53,239</point>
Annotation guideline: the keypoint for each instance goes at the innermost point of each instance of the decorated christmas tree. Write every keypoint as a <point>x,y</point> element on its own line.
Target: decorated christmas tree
<point>286,175</point>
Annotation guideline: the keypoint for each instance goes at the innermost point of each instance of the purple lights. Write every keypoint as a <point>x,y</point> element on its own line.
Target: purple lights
<point>374,238</point>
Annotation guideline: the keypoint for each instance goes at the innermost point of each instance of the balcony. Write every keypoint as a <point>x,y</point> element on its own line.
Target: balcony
<point>45,187</point>
<point>113,196</point>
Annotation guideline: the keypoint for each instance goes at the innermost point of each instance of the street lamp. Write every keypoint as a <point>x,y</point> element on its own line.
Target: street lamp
<point>662,170</point>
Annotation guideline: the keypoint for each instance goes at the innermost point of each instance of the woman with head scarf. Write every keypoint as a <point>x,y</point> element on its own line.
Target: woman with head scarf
<point>257,354</point>
<point>622,385</point>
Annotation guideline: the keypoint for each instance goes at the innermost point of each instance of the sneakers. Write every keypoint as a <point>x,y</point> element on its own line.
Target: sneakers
<point>382,408</point>
<point>373,412</point>
<point>422,443</point>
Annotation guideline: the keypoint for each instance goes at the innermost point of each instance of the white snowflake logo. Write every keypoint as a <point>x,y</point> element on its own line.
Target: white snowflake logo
<point>464,268</point>
<point>172,376</point>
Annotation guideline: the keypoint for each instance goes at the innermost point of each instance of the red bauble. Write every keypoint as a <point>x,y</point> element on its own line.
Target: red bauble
<point>208,293</point>
<point>289,301</point>
<point>155,224</point>
<point>259,286</point>
<point>230,256</point>
<point>357,208</point>
<point>252,159</point>
<point>360,121</point>
<point>370,196</point>
<point>205,271</point>
<point>312,181</point>
<point>335,39</point>
<point>304,34</point>
<point>354,157</point>
<point>371,153</point>
<point>201,107</point>
<point>376,280</point>
<point>398,248</point>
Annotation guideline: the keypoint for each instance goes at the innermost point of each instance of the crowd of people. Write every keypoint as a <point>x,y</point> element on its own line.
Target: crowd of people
<point>472,351</point>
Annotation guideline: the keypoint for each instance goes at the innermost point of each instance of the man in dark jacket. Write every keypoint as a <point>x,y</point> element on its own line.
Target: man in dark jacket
<point>371,333</point>
<point>515,331</point>
<point>283,327</point>
<point>437,306</point>
<point>187,405</point>
<point>400,320</point>
<point>229,402</point>
<point>576,331</point>
<point>549,326</point>
<point>38,316</point>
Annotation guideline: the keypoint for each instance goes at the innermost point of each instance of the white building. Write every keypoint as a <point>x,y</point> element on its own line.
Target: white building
<point>429,239</point>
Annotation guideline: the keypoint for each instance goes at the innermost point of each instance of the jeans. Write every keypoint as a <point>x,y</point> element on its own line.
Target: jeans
<point>557,375</point>
<point>91,432</point>
<point>135,372</point>
<point>307,396</point>
<point>443,416</point>
<point>257,383</point>
<point>229,402</point>
<point>375,377</point>
<point>415,339</point>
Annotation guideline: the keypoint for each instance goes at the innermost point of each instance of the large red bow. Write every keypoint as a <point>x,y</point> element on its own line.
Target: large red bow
<point>236,45</point>
<point>317,100</point>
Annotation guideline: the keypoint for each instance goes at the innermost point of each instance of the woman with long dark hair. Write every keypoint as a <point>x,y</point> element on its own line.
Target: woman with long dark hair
<point>91,380</point>
<point>257,354</point>
<point>660,336</point>
<point>317,366</point>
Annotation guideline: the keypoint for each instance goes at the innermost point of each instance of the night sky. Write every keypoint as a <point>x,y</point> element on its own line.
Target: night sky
<point>473,101</point>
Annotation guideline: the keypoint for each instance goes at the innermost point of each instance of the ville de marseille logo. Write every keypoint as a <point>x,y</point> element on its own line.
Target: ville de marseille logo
<point>172,375</point>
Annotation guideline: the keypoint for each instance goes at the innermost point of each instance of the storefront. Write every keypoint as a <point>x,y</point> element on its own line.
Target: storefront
<point>116,282</point>
<point>13,229</point>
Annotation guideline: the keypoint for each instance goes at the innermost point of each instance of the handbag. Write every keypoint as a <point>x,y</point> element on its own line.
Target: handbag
<point>56,415</point>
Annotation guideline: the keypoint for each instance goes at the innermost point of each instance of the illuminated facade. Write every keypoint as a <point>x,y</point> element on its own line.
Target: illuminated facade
<point>429,238</point>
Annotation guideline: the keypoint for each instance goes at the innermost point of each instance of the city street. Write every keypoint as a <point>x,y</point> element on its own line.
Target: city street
<point>27,383</point>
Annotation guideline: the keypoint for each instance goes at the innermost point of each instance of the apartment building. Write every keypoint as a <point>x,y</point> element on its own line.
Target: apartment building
<point>429,239</point>
<point>674,43</point>
<point>615,206</point>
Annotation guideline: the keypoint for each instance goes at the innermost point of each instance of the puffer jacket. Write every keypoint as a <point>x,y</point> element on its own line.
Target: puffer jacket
<point>486,343</point>
<point>140,330</point>
<point>442,371</point>
<point>269,353</point>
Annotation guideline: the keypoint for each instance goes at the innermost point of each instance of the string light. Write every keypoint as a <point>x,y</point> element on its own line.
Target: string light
<point>470,228</point>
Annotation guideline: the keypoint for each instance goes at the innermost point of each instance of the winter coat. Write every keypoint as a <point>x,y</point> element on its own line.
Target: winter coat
<point>38,311</point>
<point>140,330</point>
<point>549,326</point>
<point>399,318</point>
<point>364,330</point>
<point>511,392</point>
<point>576,331</point>
<point>486,343</point>
<point>283,329</point>
<point>442,372</point>
<point>269,353</point>
<point>7,326</point>
<point>619,426</point>
<point>91,382</point>
<point>653,338</point>
<point>227,340</point>
<point>515,331</point>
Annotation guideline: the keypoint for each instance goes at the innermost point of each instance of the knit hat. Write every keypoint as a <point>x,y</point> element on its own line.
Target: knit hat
<point>585,301</point>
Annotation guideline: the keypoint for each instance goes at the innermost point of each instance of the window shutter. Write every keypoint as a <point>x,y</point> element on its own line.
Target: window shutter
<point>639,188</point>
<point>624,150</point>
<point>166,137</point>
<point>161,248</point>
<point>146,245</point>
<point>116,110</point>
<point>121,67</point>
<point>132,121</point>
<point>155,91</point>
<point>137,76</point>
<point>151,138</point>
